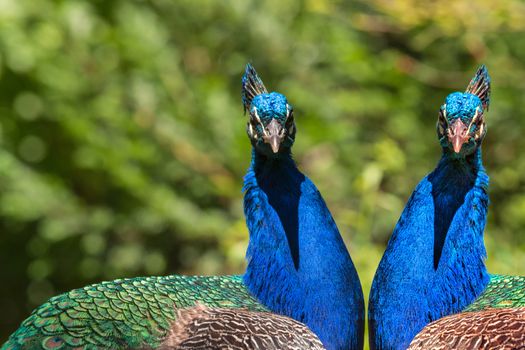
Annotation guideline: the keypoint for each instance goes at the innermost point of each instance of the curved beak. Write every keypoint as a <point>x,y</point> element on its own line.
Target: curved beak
<point>274,135</point>
<point>457,134</point>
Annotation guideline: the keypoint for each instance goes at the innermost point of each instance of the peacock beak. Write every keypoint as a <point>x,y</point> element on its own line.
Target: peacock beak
<point>457,135</point>
<point>274,135</point>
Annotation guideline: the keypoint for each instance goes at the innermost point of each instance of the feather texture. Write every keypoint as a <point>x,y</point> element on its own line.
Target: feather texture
<point>491,329</point>
<point>201,327</point>
<point>502,292</point>
<point>495,320</point>
<point>127,313</point>
<point>295,244</point>
<point>480,86</point>
<point>252,86</point>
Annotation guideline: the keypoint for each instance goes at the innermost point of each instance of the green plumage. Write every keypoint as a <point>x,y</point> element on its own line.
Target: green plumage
<point>502,292</point>
<point>125,313</point>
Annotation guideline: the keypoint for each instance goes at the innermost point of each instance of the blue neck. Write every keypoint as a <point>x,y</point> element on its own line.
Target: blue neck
<point>298,264</point>
<point>434,262</point>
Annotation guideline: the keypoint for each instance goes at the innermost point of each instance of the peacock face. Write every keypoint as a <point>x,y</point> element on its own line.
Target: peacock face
<point>271,126</point>
<point>461,123</point>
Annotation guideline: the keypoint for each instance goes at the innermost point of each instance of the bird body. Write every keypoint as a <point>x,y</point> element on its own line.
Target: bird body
<point>293,247</point>
<point>408,286</point>
<point>434,262</point>
<point>298,265</point>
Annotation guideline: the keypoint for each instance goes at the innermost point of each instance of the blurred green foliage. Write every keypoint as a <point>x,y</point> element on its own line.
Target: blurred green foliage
<point>122,142</point>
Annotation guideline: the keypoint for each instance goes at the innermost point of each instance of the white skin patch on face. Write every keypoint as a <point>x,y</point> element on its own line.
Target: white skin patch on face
<point>251,130</point>
<point>473,119</point>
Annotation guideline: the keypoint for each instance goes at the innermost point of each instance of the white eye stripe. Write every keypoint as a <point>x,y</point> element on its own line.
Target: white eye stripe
<point>474,118</point>
<point>258,119</point>
<point>479,132</point>
<point>481,129</point>
<point>256,115</point>
<point>289,113</point>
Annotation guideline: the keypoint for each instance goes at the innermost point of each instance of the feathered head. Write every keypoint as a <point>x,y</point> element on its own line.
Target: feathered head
<point>461,122</point>
<point>271,126</point>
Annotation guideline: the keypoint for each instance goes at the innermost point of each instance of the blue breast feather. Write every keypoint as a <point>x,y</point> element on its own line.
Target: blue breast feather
<point>434,262</point>
<point>295,248</point>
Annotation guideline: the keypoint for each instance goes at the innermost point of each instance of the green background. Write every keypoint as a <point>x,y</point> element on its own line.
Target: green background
<point>122,135</point>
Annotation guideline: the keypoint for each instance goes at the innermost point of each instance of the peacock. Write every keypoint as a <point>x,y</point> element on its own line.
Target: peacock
<point>434,265</point>
<point>297,263</point>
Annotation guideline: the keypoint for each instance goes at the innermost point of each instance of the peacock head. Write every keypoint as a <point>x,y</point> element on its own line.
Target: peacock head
<point>461,122</point>
<point>271,126</point>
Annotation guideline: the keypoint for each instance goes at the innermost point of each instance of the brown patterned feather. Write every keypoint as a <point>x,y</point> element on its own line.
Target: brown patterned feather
<point>201,327</point>
<point>495,329</point>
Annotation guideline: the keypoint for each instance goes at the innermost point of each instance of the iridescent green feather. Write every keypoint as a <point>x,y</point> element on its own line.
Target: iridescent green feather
<point>502,292</point>
<point>126,313</point>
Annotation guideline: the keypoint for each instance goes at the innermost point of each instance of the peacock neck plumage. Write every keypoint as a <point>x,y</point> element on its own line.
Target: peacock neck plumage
<point>298,264</point>
<point>434,262</point>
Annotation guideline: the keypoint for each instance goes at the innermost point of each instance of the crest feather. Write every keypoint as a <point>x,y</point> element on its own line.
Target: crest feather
<point>480,86</point>
<point>252,86</point>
